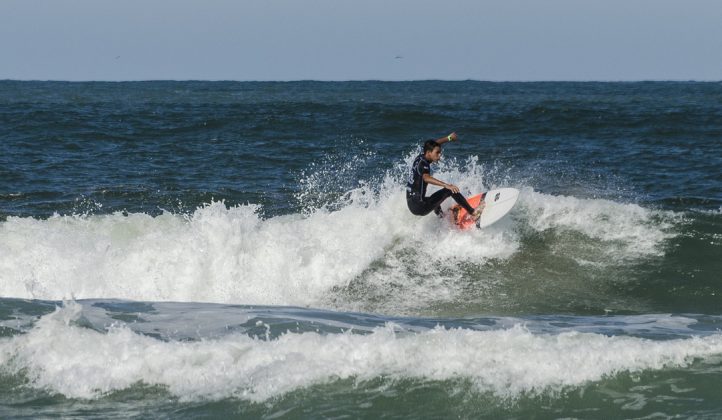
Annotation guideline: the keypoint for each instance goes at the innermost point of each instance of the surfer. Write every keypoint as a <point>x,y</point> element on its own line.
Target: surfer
<point>420,177</point>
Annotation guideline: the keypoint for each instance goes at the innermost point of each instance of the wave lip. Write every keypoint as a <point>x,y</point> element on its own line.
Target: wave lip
<point>60,356</point>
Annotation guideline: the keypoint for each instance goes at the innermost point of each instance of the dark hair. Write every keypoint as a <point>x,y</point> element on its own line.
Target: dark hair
<point>430,145</point>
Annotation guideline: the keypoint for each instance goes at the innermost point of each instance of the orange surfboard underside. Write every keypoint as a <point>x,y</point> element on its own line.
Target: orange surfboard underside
<point>459,215</point>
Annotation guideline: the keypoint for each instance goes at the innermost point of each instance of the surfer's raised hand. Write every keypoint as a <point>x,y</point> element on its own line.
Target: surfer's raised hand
<point>450,137</point>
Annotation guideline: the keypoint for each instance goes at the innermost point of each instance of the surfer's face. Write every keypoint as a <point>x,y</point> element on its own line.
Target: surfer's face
<point>433,155</point>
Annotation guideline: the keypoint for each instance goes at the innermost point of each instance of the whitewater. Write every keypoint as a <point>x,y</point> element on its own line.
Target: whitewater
<point>231,254</point>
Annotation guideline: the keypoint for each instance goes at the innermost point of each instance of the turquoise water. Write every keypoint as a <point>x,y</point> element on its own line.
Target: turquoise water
<point>214,249</point>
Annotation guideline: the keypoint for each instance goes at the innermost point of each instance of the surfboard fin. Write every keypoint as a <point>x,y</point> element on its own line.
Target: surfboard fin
<point>455,212</point>
<point>477,217</point>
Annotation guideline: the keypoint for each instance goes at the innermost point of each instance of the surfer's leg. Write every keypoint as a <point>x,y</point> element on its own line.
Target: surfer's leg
<point>462,202</point>
<point>419,207</point>
<point>429,204</point>
<point>434,200</point>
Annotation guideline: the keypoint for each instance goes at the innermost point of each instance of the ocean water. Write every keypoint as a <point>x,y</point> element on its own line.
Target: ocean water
<point>239,249</point>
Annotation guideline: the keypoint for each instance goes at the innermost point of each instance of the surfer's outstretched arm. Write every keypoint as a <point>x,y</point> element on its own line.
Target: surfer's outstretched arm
<point>450,137</point>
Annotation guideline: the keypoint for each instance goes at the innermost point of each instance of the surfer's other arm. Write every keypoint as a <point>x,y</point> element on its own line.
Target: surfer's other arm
<point>433,181</point>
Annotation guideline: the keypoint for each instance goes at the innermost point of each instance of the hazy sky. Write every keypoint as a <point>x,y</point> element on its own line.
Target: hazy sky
<point>361,39</point>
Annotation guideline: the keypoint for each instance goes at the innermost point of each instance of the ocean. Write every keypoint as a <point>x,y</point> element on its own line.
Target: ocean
<point>244,250</point>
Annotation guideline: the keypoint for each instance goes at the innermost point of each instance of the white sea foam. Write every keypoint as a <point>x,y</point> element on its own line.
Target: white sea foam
<point>216,254</point>
<point>712,212</point>
<point>639,231</point>
<point>232,255</point>
<point>58,356</point>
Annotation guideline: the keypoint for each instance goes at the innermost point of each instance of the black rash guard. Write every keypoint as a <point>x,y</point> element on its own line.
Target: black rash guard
<point>416,186</point>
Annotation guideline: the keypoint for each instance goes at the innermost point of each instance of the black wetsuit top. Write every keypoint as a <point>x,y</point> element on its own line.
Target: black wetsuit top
<point>415,186</point>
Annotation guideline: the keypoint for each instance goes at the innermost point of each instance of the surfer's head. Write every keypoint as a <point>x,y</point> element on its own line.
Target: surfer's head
<point>432,150</point>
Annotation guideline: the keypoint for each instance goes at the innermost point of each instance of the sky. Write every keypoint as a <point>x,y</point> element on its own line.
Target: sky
<point>505,40</point>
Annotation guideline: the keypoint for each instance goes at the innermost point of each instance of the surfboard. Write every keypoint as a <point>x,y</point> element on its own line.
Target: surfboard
<point>498,204</point>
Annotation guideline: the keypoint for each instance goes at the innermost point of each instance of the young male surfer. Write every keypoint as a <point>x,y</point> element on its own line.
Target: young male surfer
<point>420,177</point>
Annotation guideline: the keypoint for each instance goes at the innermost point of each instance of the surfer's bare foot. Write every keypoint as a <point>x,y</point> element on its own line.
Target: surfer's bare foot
<point>477,213</point>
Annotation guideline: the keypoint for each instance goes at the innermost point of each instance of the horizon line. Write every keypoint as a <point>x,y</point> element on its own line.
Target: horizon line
<point>370,80</point>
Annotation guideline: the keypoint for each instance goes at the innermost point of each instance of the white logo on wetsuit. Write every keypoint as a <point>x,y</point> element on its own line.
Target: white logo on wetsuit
<point>416,185</point>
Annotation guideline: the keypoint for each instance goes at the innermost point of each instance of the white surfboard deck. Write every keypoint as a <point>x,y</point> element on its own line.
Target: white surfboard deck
<point>498,204</point>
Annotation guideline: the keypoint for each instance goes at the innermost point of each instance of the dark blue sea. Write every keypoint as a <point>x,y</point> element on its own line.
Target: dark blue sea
<point>244,250</point>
